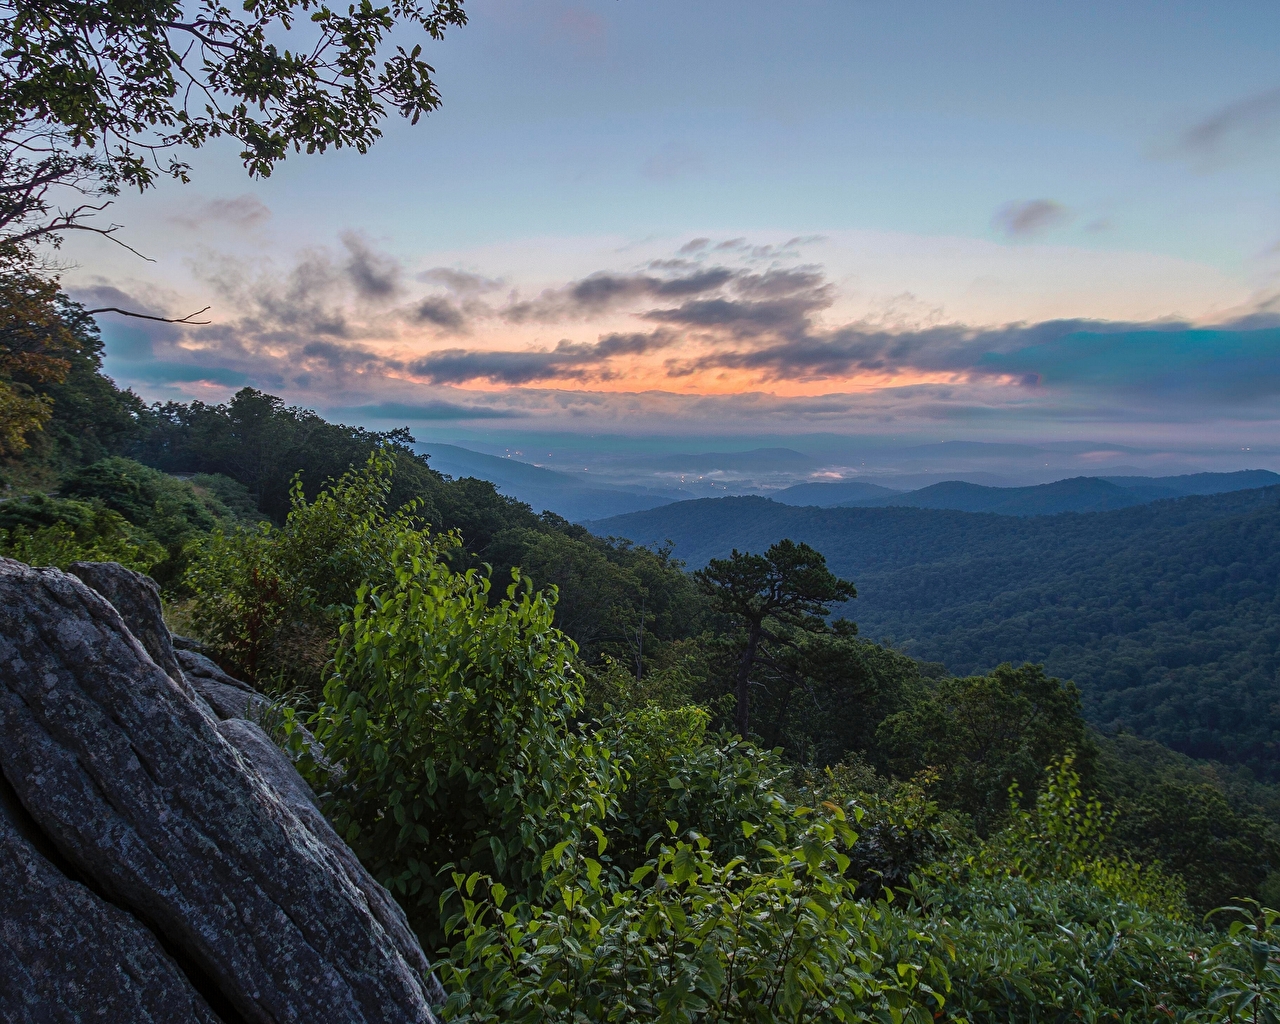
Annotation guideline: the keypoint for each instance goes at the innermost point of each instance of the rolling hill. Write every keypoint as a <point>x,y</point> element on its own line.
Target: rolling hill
<point>1078,494</point>
<point>1167,614</point>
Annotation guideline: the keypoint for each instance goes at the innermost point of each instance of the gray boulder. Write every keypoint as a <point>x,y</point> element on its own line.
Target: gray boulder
<point>227,696</point>
<point>64,951</point>
<point>137,599</point>
<point>139,793</point>
<point>278,771</point>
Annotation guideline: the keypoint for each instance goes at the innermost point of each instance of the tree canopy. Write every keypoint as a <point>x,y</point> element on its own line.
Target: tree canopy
<point>789,584</point>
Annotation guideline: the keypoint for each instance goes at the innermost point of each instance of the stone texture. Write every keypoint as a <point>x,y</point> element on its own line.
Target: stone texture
<point>280,774</point>
<point>143,796</point>
<point>137,599</point>
<point>229,697</point>
<point>68,956</point>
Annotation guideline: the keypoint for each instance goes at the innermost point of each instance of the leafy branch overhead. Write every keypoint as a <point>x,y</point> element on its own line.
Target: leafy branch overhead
<point>95,96</point>
<point>141,78</point>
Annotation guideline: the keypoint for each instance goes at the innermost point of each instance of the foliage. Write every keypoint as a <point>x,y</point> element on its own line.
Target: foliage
<point>691,938</point>
<point>821,696</point>
<point>984,734</point>
<point>451,715</point>
<point>1060,950</point>
<point>674,771</point>
<point>269,598</point>
<point>1185,815</point>
<point>1065,836</point>
<point>1245,966</point>
<point>1165,615</point>
<point>58,408</point>
<point>901,829</point>
<point>608,591</point>
<point>169,509</point>
<point>93,95</point>
<point>40,530</point>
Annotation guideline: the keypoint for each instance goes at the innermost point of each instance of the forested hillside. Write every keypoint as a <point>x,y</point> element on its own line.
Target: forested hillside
<point>1166,615</point>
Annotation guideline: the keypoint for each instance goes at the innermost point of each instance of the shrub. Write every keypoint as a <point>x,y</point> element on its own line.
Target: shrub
<point>452,715</point>
<point>40,530</point>
<point>691,938</point>
<point>268,599</point>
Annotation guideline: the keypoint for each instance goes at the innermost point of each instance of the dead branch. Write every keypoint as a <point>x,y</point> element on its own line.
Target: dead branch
<point>147,316</point>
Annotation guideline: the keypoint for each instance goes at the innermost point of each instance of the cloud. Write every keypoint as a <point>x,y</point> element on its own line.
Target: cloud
<point>1235,129</point>
<point>443,313</point>
<point>567,361</point>
<point>425,411</point>
<point>1028,219</point>
<point>602,291</point>
<point>374,275</point>
<point>694,245</point>
<point>243,211</point>
<point>460,282</point>
<point>683,329</point>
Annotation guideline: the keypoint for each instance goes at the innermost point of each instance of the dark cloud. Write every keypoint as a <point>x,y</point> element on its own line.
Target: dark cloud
<point>694,245</point>
<point>344,358</point>
<point>602,291</point>
<point>374,276</point>
<point>460,282</point>
<point>781,302</point>
<point>1237,126</point>
<point>567,361</point>
<point>243,211</point>
<point>441,312</point>
<point>741,319</point>
<point>1028,219</point>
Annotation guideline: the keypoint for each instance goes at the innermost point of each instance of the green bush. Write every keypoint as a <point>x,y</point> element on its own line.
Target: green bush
<point>674,771</point>
<point>40,530</point>
<point>689,937</point>
<point>268,599</point>
<point>986,733</point>
<point>169,509</point>
<point>452,715</point>
<point>1062,950</point>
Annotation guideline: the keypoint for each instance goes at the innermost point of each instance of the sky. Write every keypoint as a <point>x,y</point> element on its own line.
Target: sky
<point>713,220</point>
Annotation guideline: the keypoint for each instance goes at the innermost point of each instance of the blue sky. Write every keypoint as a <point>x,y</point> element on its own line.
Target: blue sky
<point>934,172</point>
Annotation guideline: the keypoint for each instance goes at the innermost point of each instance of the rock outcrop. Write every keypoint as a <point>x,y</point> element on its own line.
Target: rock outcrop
<point>180,844</point>
<point>228,697</point>
<point>64,951</point>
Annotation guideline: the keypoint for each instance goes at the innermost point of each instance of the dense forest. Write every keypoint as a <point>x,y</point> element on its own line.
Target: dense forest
<point>1166,615</point>
<point>606,787</point>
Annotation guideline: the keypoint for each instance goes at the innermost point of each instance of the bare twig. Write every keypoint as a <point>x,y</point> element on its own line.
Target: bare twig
<point>147,316</point>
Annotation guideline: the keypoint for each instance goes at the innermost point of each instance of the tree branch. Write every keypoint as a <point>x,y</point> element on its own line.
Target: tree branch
<point>147,316</point>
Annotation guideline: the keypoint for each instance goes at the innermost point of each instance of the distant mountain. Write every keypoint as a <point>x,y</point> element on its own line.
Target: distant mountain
<point>837,492</point>
<point>1082,494</point>
<point>1079,494</point>
<point>1167,614</point>
<point>563,493</point>
<point>1199,483</point>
